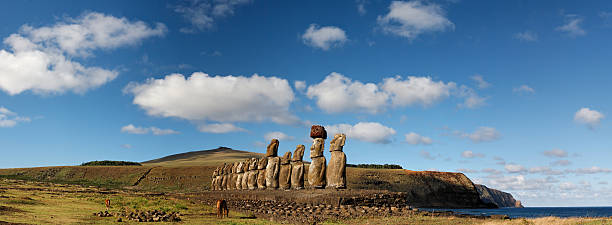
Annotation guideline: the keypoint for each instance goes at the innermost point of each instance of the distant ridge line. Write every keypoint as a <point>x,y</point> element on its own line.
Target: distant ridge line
<point>187,155</point>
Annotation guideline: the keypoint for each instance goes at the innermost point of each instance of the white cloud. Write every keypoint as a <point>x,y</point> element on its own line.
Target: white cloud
<point>555,153</point>
<point>465,170</point>
<point>131,129</point>
<point>514,168</point>
<point>470,154</point>
<point>203,13</point>
<point>220,128</point>
<point>41,59</point>
<point>299,85</point>
<point>591,170</point>
<point>223,99</point>
<point>364,131</point>
<point>9,118</point>
<point>480,81</point>
<point>324,37</point>
<point>278,135</point>
<point>416,90</point>
<point>523,89</point>
<point>337,93</point>
<point>482,134</point>
<point>572,26</point>
<point>415,139</point>
<point>526,36</point>
<point>590,117</point>
<point>561,163</point>
<point>413,18</point>
<point>126,146</point>
<point>361,6</point>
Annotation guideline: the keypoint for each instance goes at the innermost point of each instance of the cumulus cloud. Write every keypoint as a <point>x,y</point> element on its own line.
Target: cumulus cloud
<point>131,129</point>
<point>299,85</point>
<point>589,170</point>
<point>590,117</point>
<point>427,155</point>
<point>526,36</point>
<point>41,59</point>
<point>466,170</point>
<point>514,168</point>
<point>337,93</point>
<point>202,14</point>
<point>416,139</point>
<point>572,26</point>
<point>563,162</point>
<point>364,131</point>
<point>222,99</point>
<point>519,182</point>
<point>278,135</point>
<point>219,128</point>
<point>470,154</point>
<point>555,153</point>
<point>482,134</point>
<point>523,89</point>
<point>413,18</point>
<point>480,82</point>
<point>416,90</point>
<point>324,37</point>
<point>9,118</point>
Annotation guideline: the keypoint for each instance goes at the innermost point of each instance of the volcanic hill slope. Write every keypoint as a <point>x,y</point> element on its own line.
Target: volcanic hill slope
<point>191,172</point>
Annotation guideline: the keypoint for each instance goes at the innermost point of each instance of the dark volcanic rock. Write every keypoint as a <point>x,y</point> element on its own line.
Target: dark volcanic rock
<point>499,198</point>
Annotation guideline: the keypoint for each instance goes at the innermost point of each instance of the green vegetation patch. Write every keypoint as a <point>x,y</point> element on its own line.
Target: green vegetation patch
<point>111,163</point>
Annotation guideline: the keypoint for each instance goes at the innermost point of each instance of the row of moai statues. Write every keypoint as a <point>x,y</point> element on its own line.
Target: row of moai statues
<point>274,172</point>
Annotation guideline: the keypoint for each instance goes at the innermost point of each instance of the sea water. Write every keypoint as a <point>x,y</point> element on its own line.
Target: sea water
<point>532,212</point>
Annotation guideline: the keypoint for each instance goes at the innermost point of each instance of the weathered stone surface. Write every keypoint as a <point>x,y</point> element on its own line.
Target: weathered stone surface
<point>225,179</point>
<point>213,184</point>
<point>316,171</point>
<point>284,176</point>
<point>232,181</point>
<point>297,168</point>
<point>261,173</point>
<point>245,176</point>
<point>318,131</point>
<point>336,169</point>
<point>252,178</point>
<point>239,175</point>
<point>272,172</point>
<point>272,150</point>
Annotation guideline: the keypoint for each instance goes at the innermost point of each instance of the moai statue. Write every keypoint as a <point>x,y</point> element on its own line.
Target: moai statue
<point>224,178</point>
<point>239,175</point>
<point>261,172</point>
<point>297,168</point>
<point>316,171</point>
<point>245,175</point>
<point>284,176</point>
<point>336,170</point>
<point>252,178</point>
<point>273,166</point>
<point>213,182</point>
<point>231,184</point>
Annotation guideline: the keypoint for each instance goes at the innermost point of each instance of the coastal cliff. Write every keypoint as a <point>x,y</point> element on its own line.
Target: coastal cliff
<point>497,197</point>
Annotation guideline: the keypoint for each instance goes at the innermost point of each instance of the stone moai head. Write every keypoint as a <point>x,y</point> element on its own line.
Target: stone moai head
<point>246,164</point>
<point>337,144</point>
<point>272,150</point>
<point>240,167</point>
<point>286,158</point>
<point>235,167</point>
<point>262,163</point>
<point>228,169</point>
<point>318,145</point>
<point>298,154</point>
<point>253,164</point>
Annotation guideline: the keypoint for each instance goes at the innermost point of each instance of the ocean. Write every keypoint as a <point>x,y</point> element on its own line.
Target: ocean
<point>532,212</point>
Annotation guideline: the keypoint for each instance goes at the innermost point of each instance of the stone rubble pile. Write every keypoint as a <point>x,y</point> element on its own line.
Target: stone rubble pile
<point>287,172</point>
<point>143,216</point>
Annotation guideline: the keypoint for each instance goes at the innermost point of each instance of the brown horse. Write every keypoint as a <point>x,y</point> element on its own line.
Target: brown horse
<point>222,209</point>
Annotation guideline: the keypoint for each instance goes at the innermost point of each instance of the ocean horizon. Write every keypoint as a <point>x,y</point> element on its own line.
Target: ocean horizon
<point>534,212</point>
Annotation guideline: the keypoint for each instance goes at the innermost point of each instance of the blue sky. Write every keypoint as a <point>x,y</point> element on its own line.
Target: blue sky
<point>514,94</point>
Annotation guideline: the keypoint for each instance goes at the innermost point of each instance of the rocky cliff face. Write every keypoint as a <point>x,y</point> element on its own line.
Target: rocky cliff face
<point>497,197</point>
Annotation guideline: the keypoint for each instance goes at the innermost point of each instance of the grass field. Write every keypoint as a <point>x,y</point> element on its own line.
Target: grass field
<point>47,203</point>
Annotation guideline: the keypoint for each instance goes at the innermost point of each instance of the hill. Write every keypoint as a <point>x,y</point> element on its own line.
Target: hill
<point>213,157</point>
<point>191,172</point>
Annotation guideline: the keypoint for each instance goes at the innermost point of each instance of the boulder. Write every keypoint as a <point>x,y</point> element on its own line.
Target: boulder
<point>318,131</point>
